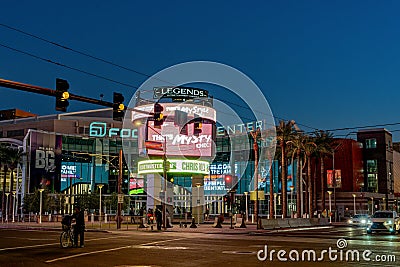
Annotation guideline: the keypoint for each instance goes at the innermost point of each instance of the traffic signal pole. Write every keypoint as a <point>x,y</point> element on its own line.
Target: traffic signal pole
<point>50,92</point>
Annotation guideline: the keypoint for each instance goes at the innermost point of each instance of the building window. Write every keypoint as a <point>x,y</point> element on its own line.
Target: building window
<point>14,133</point>
<point>370,143</point>
<point>372,182</point>
<point>372,166</point>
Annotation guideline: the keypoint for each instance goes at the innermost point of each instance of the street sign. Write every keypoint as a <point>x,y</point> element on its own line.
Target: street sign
<point>120,198</point>
<point>154,145</point>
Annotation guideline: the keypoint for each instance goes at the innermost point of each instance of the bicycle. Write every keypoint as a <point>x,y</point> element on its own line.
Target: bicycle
<point>67,235</point>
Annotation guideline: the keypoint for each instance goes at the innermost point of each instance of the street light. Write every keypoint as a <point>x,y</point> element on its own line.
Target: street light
<point>7,194</point>
<point>198,202</point>
<point>330,207</point>
<point>13,219</point>
<point>246,213</point>
<point>40,212</point>
<point>354,202</point>
<point>373,204</point>
<point>100,186</point>
<point>291,200</point>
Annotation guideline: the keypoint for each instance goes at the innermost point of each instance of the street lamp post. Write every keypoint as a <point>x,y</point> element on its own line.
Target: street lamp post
<point>7,194</point>
<point>330,206</point>
<point>40,204</point>
<point>13,219</point>
<point>255,135</point>
<point>246,213</point>
<point>372,205</point>
<point>354,202</point>
<point>198,202</point>
<point>291,200</point>
<point>100,186</point>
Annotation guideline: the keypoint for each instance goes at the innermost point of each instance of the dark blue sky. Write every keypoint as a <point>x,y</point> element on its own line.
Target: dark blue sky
<point>325,64</point>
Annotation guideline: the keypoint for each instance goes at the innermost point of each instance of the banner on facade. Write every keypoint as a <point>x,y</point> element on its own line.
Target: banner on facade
<point>334,182</point>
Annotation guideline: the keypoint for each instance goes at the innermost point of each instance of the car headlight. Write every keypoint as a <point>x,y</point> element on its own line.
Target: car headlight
<point>363,221</point>
<point>350,221</point>
<point>369,222</point>
<point>389,222</point>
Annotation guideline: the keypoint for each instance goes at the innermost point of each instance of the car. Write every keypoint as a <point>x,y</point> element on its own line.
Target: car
<point>358,220</point>
<point>384,221</point>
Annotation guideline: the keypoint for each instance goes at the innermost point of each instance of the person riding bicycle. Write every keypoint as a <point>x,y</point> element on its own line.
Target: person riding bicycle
<point>79,228</point>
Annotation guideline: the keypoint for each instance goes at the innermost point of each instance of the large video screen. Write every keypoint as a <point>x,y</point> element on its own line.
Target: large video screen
<point>77,172</point>
<point>180,144</point>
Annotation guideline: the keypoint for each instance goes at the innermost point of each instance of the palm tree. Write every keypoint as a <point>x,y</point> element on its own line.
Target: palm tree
<point>309,148</point>
<point>14,156</point>
<point>323,140</point>
<point>297,145</point>
<point>256,135</point>
<point>284,133</point>
<point>2,162</point>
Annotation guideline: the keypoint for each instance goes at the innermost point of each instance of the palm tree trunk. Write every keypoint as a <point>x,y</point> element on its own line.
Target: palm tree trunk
<point>3,198</point>
<point>11,206</point>
<point>322,184</point>
<point>284,182</point>
<point>309,183</point>
<point>3,205</point>
<point>298,183</point>
<point>315,187</point>
<point>271,189</point>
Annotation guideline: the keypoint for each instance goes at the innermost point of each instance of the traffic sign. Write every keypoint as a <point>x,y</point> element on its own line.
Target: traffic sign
<point>154,145</point>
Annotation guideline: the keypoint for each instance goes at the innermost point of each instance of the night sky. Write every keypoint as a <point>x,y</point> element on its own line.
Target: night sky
<point>324,64</point>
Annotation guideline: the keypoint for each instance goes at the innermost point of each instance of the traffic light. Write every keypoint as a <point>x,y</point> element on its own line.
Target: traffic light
<point>197,127</point>
<point>62,95</point>
<point>118,106</point>
<point>158,115</point>
<point>228,181</point>
<point>227,200</point>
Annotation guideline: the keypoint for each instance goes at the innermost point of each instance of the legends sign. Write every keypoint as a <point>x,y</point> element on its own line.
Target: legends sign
<point>178,92</point>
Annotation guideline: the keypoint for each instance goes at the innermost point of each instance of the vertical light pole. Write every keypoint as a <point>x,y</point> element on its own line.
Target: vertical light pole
<point>256,134</point>
<point>275,194</point>
<point>247,211</point>
<point>372,205</point>
<point>100,186</point>
<point>198,202</point>
<point>291,200</point>
<point>165,168</point>
<point>40,204</point>
<point>354,203</point>
<point>13,219</point>
<point>7,194</point>
<point>119,217</point>
<point>330,206</point>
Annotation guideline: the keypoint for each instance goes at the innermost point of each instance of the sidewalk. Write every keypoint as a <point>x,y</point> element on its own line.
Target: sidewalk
<point>205,228</point>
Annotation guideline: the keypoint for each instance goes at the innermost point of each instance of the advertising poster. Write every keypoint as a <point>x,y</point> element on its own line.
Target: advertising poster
<point>45,160</point>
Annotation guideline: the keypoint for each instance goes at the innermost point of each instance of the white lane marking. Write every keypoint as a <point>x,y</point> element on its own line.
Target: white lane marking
<point>111,249</point>
<point>51,244</point>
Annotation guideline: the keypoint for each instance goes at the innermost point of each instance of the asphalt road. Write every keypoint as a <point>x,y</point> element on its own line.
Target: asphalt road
<point>134,248</point>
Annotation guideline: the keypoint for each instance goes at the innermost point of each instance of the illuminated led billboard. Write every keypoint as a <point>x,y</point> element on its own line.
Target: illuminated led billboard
<point>179,144</point>
<point>175,166</point>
